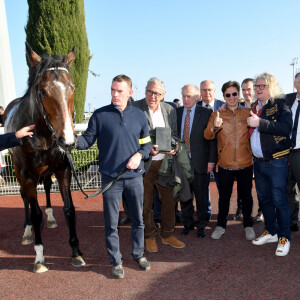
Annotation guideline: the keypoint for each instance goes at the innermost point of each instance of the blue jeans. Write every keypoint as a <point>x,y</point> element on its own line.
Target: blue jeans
<point>270,181</point>
<point>134,192</point>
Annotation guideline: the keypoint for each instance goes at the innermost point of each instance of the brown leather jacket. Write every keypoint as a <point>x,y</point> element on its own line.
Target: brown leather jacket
<point>234,150</point>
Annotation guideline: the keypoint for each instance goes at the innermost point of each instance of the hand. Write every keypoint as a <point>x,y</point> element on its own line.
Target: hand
<point>25,131</point>
<point>134,161</point>
<point>253,120</point>
<point>218,121</point>
<point>174,151</point>
<point>210,167</point>
<point>222,108</point>
<point>153,151</point>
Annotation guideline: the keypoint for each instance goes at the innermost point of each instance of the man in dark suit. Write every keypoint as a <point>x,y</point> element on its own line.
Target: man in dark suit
<point>191,122</point>
<point>207,95</point>
<point>159,114</point>
<point>293,182</point>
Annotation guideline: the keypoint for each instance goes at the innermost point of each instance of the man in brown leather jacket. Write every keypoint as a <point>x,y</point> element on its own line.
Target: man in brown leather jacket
<point>234,157</point>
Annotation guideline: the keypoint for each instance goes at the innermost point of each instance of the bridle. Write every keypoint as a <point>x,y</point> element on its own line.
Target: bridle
<point>40,103</point>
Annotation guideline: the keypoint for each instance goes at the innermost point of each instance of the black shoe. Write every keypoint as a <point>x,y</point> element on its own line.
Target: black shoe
<point>238,214</point>
<point>201,233</point>
<point>124,221</point>
<point>294,227</point>
<point>143,263</point>
<point>179,218</point>
<point>186,230</point>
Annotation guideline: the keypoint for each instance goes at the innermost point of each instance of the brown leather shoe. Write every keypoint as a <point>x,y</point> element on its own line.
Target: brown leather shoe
<point>151,245</point>
<point>173,241</point>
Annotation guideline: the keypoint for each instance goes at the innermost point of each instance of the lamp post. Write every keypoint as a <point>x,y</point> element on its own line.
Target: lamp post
<point>293,63</point>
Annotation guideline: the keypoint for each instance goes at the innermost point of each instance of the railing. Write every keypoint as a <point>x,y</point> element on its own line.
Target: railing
<point>85,163</point>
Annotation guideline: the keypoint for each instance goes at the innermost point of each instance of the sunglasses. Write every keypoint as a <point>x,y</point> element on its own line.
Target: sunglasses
<point>233,94</point>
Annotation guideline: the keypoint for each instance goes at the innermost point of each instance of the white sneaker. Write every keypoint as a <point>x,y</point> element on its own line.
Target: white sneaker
<point>266,237</point>
<point>283,247</point>
<point>216,235</point>
<point>250,234</point>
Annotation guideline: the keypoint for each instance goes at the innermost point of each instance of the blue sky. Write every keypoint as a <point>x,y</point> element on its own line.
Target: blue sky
<point>179,42</point>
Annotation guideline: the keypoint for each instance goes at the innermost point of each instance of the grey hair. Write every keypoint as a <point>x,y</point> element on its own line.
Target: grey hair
<point>202,82</point>
<point>197,90</point>
<point>155,80</point>
<point>297,75</point>
<point>272,83</point>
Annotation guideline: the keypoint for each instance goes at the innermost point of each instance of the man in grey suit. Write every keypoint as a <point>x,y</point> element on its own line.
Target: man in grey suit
<point>158,114</point>
<point>293,182</point>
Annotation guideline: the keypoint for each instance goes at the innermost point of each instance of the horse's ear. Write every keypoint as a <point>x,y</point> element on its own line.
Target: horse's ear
<point>33,58</point>
<point>70,57</point>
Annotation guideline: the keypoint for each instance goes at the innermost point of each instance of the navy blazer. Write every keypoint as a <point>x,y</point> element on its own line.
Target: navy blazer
<point>8,140</point>
<point>218,103</point>
<point>290,99</point>
<point>202,150</point>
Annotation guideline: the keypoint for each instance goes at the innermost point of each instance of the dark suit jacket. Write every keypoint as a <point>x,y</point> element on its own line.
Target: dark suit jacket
<point>217,104</point>
<point>202,150</point>
<point>290,99</point>
<point>8,140</point>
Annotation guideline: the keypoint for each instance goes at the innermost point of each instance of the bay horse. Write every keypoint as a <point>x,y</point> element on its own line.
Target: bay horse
<point>49,104</point>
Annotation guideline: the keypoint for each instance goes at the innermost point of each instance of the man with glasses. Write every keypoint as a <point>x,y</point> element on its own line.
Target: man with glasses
<point>270,126</point>
<point>293,182</point>
<point>229,127</point>
<point>159,114</point>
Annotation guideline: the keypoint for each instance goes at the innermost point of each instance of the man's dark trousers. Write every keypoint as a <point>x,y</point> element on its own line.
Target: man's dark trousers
<point>134,192</point>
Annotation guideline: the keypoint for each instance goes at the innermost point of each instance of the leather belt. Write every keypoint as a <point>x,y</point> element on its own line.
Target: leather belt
<point>263,159</point>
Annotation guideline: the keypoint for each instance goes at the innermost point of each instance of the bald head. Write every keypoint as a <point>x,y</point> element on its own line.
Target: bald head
<point>189,95</point>
<point>207,91</point>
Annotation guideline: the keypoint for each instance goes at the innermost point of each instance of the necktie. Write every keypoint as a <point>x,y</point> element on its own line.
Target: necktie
<point>186,129</point>
<point>294,130</point>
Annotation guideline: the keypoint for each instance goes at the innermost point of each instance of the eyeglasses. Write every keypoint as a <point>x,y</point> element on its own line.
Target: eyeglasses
<point>259,86</point>
<point>233,94</point>
<point>156,94</point>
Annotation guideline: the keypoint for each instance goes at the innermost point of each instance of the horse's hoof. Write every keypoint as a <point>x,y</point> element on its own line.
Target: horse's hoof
<point>51,224</point>
<point>40,268</point>
<point>78,261</point>
<point>27,240</point>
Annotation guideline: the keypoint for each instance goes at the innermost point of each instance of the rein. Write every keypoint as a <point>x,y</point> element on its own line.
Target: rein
<point>100,190</point>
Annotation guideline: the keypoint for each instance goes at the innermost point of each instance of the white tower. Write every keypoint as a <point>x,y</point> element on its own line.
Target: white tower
<point>7,84</point>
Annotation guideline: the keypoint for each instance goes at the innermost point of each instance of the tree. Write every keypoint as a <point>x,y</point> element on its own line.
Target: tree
<point>54,27</point>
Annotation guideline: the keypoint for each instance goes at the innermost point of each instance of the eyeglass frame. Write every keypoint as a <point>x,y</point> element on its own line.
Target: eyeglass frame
<point>258,86</point>
<point>155,94</point>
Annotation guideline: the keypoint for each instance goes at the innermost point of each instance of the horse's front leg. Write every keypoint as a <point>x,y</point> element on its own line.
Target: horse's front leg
<point>27,236</point>
<point>51,222</point>
<point>64,181</point>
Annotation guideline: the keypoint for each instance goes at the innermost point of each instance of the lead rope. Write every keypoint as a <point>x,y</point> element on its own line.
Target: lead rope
<point>100,191</point>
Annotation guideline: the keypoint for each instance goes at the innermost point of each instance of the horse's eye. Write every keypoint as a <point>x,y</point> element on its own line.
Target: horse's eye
<point>43,92</point>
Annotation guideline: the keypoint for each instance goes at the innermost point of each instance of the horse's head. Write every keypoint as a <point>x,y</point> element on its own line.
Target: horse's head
<point>53,90</point>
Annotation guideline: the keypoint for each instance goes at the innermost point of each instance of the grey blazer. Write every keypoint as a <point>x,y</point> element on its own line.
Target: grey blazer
<point>168,112</point>
<point>169,115</point>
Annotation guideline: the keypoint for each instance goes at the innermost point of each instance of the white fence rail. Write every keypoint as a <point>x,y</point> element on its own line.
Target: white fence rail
<point>85,163</point>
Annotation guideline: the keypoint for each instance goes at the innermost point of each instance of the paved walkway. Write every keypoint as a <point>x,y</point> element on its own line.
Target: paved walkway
<point>231,268</point>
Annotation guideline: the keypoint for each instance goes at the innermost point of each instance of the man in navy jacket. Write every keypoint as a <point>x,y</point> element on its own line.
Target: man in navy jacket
<point>123,140</point>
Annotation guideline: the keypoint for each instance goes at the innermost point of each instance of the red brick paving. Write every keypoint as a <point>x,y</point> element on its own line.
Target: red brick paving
<point>231,268</point>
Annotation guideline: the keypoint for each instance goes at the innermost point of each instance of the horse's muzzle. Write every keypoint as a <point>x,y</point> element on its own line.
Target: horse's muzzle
<point>67,146</point>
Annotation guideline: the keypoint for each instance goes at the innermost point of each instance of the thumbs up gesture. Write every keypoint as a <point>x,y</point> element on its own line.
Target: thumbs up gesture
<point>253,120</point>
<point>218,121</point>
